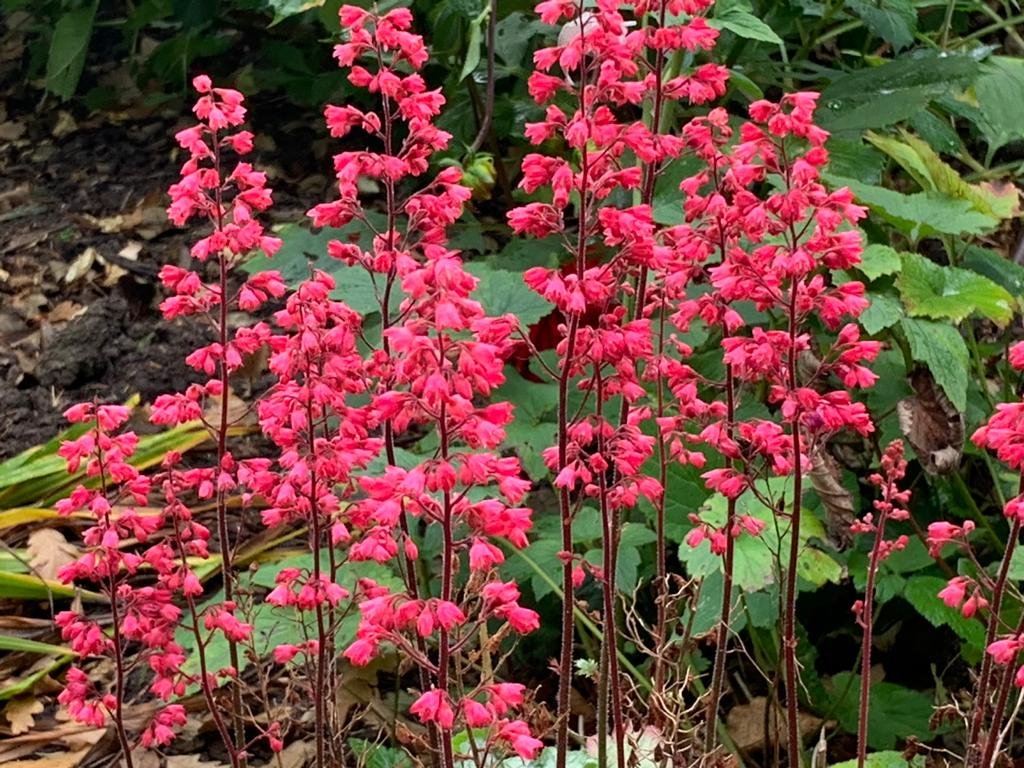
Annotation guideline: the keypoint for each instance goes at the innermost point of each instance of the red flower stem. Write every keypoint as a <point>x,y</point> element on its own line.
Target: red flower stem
<point>610,686</point>
<point>447,564</point>
<point>661,588</point>
<point>789,626</point>
<point>987,667</point>
<point>319,683</point>
<point>867,618</point>
<point>204,677</point>
<point>722,637</point>
<point>223,534</point>
<point>1002,697</point>
<point>115,619</point>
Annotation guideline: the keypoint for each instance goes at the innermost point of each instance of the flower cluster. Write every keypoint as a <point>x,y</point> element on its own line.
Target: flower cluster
<point>142,616</point>
<point>439,358</point>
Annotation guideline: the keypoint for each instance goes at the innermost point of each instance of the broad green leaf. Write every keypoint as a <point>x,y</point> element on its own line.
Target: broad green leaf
<point>273,626</point>
<point>512,36</point>
<point>742,23</point>
<point>895,21</point>
<point>998,93</point>
<point>885,759</point>
<point>896,713</point>
<point>933,174</point>
<point>68,47</point>
<point>302,251</point>
<point>878,260</point>
<point>873,97</point>
<point>284,8</point>
<point>883,312</point>
<point>856,160</point>
<point>920,214</point>
<point>369,754</point>
<point>996,267</point>
<point>950,293</point>
<point>503,292</point>
<point>756,561</point>
<point>940,347</point>
<point>922,592</point>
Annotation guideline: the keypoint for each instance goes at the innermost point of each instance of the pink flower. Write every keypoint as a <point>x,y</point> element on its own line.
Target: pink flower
<point>434,707</point>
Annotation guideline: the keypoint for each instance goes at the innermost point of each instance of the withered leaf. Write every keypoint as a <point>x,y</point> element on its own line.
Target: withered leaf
<point>932,425</point>
<point>20,712</point>
<point>827,479</point>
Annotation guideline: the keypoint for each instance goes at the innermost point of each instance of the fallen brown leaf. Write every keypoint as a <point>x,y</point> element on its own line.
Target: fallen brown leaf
<point>20,712</point>
<point>59,760</point>
<point>49,551</point>
<point>745,724</point>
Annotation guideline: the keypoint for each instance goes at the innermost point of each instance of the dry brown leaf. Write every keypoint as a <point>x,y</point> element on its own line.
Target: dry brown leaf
<point>297,754</point>
<point>932,424</point>
<point>81,265</point>
<point>745,724</point>
<point>65,311</point>
<point>827,479</point>
<point>49,551</point>
<point>58,760</point>
<point>11,130</point>
<point>190,761</point>
<point>65,124</point>
<point>20,712</point>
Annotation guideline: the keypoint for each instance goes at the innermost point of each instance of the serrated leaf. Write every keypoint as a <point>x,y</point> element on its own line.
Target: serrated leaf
<point>884,759</point>
<point>933,174</point>
<point>922,592</point>
<point>878,260</point>
<point>942,349</point>
<point>996,267</point>
<point>920,214</point>
<point>883,312</point>
<point>503,292</point>
<point>873,97</point>
<point>742,23</point>
<point>757,556</point>
<point>895,21</point>
<point>896,713</point>
<point>930,290</point>
<point>512,36</point>
<point>999,92</point>
<point>283,9</point>
<point>68,48</point>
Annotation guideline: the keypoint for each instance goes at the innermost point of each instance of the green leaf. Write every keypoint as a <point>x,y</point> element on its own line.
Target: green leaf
<point>895,21</point>
<point>285,8</point>
<point>940,347</point>
<point>885,759</point>
<point>935,175</point>
<point>878,260</point>
<point>21,645</point>
<point>922,592</point>
<point>757,556</point>
<point>512,36</point>
<point>998,93</point>
<point>503,292</point>
<point>883,312</point>
<point>896,713</point>
<point>996,267</point>
<point>535,424</point>
<point>273,626</point>
<point>920,214</point>
<point>949,293</point>
<point>24,586</point>
<point>68,47</point>
<point>476,39</point>
<point>873,97</point>
<point>738,19</point>
<point>369,754</point>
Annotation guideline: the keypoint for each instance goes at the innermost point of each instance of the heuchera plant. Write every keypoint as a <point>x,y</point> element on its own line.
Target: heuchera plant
<point>761,237</point>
